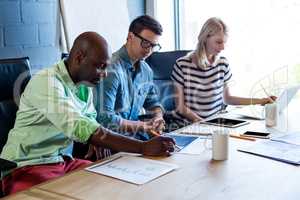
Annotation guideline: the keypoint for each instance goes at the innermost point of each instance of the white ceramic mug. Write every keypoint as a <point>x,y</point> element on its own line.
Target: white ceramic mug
<point>271,114</point>
<point>220,142</point>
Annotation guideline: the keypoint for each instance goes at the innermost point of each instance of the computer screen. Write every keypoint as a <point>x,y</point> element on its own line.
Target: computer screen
<point>286,96</point>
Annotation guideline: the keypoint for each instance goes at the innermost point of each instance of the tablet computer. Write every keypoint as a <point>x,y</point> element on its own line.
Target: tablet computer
<point>226,122</point>
<point>182,140</point>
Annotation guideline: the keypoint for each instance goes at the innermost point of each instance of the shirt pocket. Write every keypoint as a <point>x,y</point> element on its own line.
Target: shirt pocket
<point>141,96</point>
<point>144,90</point>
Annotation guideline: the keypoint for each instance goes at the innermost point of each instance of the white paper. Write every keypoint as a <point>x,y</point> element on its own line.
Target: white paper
<point>285,152</point>
<point>292,138</point>
<point>251,111</point>
<point>132,169</point>
<point>197,129</point>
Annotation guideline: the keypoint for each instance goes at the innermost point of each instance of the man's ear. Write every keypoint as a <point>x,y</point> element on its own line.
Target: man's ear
<point>79,56</point>
<point>130,36</point>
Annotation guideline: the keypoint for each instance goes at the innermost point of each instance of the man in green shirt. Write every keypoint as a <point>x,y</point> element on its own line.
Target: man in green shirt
<point>56,109</point>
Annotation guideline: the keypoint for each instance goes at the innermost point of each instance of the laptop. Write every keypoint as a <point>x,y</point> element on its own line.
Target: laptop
<point>258,111</point>
<point>286,97</point>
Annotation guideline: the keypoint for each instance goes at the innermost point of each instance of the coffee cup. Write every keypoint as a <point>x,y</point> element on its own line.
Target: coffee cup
<point>220,142</point>
<point>271,114</point>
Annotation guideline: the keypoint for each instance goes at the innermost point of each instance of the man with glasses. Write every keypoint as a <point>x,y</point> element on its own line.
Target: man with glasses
<point>129,86</point>
<point>56,109</point>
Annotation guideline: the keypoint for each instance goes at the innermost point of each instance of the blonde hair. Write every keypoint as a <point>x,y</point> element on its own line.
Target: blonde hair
<point>211,27</point>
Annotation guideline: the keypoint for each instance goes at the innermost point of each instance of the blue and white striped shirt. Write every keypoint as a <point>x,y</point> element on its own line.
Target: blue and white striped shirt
<point>203,88</point>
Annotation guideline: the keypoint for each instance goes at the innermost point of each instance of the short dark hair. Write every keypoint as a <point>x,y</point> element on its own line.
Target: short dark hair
<point>145,22</point>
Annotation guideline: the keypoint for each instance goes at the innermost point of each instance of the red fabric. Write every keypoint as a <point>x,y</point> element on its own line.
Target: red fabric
<point>28,176</point>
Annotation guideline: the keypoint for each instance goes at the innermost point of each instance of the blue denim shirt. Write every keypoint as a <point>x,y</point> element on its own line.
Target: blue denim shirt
<point>125,91</point>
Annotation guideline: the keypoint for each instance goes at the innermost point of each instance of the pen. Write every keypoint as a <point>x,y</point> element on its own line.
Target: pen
<point>154,133</point>
<point>242,137</point>
<point>265,91</point>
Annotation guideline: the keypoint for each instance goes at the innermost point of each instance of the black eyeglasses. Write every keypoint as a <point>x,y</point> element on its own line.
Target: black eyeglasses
<point>147,44</point>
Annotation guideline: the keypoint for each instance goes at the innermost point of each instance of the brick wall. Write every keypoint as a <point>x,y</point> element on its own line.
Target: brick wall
<point>29,28</point>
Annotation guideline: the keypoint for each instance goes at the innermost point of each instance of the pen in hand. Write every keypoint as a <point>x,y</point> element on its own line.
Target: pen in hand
<point>154,133</point>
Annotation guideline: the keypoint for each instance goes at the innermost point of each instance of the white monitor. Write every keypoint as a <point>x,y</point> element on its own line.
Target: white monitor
<point>286,96</point>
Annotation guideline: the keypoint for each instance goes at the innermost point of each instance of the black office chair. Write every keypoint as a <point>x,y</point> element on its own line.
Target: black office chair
<point>64,55</point>
<point>162,65</point>
<point>14,76</point>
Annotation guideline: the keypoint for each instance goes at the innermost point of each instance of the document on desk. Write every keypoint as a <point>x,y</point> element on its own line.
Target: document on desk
<point>132,169</point>
<point>291,138</point>
<point>289,153</point>
<point>198,129</point>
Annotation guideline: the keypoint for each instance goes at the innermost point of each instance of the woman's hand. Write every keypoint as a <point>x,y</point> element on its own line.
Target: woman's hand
<point>268,100</point>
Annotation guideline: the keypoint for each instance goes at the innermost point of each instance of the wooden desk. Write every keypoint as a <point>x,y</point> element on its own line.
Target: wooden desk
<point>242,176</point>
<point>37,194</point>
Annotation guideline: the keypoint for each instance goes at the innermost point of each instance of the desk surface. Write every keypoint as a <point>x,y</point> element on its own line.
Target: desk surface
<point>38,194</point>
<point>242,176</point>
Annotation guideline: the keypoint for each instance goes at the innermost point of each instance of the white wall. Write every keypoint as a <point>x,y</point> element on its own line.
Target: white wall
<point>109,18</point>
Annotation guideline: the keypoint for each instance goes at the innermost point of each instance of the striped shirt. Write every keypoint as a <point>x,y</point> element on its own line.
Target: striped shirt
<point>203,88</point>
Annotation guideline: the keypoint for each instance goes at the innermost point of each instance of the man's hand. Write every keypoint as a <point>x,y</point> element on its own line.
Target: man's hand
<point>158,146</point>
<point>156,124</point>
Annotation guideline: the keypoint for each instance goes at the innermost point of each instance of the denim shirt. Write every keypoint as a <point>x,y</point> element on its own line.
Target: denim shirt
<point>125,91</point>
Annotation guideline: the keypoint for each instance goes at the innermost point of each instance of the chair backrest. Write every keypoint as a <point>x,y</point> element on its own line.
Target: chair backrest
<point>14,75</point>
<point>64,55</point>
<point>162,65</point>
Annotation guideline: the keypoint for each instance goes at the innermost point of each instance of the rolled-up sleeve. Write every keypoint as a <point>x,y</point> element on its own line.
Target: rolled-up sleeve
<point>105,98</point>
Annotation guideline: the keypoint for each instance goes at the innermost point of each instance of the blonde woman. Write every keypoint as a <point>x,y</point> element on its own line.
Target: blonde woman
<point>201,77</point>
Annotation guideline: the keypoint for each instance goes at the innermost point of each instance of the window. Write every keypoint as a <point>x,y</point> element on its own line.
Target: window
<point>263,43</point>
<point>164,11</point>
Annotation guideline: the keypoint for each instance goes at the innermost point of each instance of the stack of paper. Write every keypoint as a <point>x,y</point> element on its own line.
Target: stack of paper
<point>285,149</point>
